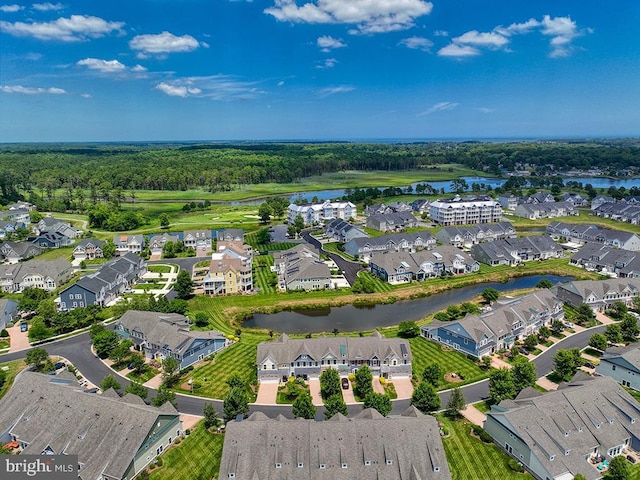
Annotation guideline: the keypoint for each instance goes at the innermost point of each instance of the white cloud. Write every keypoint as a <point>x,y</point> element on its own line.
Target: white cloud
<point>417,43</point>
<point>439,107</point>
<point>370,16</point>
<point>10,8</point>
<point>105,66</point>
<point>440,33</point>
<point>325,92</point>
<point>47,6</point>
<point>486,110</point>
<point>280,83</point>
<point>73,29</point>
<point>562,30</point>
<point>456,50</point>
<point>328,63</point>
<point>177,90</point>
<point>327,43</point>
<point>138,69</point>
<point>215,87</point>
<point>162,43</point>
<point>32,90</point>
<point>491,40</point>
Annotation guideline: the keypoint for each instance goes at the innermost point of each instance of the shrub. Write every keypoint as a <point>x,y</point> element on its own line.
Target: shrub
<point>4,333</point>
<point>187,431</point>
<point>515,465</point>
<point>480,432</point>
<point>152,466</point>
<point>159,461</point>
<point>383,381</point>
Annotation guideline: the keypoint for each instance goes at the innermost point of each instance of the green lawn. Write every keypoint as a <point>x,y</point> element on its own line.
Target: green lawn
<point>197,457</point>
<point>146,375</point>
<point>15,367</point>
<point>159,268</point>
<point>262,273</point>
<point>471,459</point>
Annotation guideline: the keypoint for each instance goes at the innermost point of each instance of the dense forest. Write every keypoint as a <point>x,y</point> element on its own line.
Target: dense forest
<point>217,167</point>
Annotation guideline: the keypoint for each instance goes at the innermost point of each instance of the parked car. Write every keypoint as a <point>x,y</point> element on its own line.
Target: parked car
<point>631,459</point>
<point>59,365</point>
<point>24,327</point>
<point>568,324</point>
<point>345,383</point>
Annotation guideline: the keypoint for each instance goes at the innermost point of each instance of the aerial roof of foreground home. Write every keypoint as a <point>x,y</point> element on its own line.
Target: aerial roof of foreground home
<point>105,431</point>
<point>600,288</point>
<point>628,356</point>
<point>367,446</point>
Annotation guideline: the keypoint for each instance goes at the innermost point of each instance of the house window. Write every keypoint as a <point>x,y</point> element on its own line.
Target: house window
<point>613,367</point>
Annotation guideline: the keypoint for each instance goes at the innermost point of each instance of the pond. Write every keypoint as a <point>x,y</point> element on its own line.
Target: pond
<point>350,318</point>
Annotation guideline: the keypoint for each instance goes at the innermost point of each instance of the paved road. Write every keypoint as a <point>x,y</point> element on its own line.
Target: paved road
<point>350,269</point>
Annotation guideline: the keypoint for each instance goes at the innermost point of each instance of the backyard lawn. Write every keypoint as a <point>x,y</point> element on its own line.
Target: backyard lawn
<point>15,367</point>
<point>471,459</point>
<point>262,273</point>
<point>197,457</point>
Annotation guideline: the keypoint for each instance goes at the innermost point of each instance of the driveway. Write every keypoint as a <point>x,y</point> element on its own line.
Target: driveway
<point>19,340</point>
<point>314,389</point>
<point>348,396</point>
<point>404,387</point>
<point>267,393</point>
<point>474,415</point>
<point>350,269</point>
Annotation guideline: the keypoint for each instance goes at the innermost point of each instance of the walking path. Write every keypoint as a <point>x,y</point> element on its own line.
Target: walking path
<point>497,362</point>
<point>474,415</point>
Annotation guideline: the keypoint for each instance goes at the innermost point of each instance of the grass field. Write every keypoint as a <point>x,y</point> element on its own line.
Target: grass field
<point>197,457</point>
<point>262,273</point>
<point>159,268</point>
<point>471,459</point>
<point>15,367</point>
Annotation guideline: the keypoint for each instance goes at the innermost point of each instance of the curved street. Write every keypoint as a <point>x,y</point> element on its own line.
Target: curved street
<point>350,269</point>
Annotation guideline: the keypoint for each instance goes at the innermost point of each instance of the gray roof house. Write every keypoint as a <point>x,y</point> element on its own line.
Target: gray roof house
<point>600,199</point>
<point>570,431</point>
<point>622,364</point>
<point>465,236</point>
<point>300,268</point>
<point>8,311</point>
<point>14,252</point>
<point>342,231</point>
<point>511,251</point>
<point>403,267</point>
<point>395,242</point>
<point>575,198</point>
<point>114,438</point>
<point>129,243</point>
<point>157,242</point>
<point>621,212</point>
<point>230,235</point>
<point>581,233</point>
<point>199,240</point>
<point>538,197</point>
<point>392,222</point>
<point>162,335</point>
<point>508,202</point>
<point>286,357</point>
<point>88,249</point>
<point>533,211</point>
<point>608,260</point>
<point>598,294</point>
<point>52,224</point>
<point>367,446</point>
<point>45,274</point>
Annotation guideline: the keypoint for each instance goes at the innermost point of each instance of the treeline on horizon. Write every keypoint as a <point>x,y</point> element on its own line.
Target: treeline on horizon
<point>221,167</point>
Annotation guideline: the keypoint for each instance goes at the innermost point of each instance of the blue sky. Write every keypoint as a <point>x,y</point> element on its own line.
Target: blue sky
<point>142,70</point>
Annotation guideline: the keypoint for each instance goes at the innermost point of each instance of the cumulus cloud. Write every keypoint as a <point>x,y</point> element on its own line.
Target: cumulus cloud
<point>369,16</point>
<point>10,8</point>
<point>438,107</point>
<point>328,63</point>
<point>327,43</point>
<point>105,66</point>
<point>417,43</point>
<point>32,90</point>
<point>562,31</point>
<point>440,33</point>
<point>73,29</point>
<point>162,43</point>
<point>215,87</point>
<point>47,6</point>
<point>325,92</point>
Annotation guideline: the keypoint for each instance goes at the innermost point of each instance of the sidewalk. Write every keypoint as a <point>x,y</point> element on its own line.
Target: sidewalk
<point>474,415</point>
<point>547,384</point>
<point>603,319</point>
<point>497,362</point>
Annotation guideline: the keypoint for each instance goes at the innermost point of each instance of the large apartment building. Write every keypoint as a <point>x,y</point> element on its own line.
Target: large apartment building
<point>464,211</point>
<point>319,212</point>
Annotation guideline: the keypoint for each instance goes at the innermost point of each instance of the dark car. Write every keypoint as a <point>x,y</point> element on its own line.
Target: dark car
<point>59,365</point>
<point>631,459</point>
<point>345,383</point>
<point>24,327</point>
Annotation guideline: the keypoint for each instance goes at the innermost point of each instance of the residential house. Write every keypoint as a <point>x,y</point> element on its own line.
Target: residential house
<point>465,237</point>
<point>534,211</point>
<point>382,209</point>
<point>392,222</point>
<point>22,206</point>
<point>114,438</point>
<point>157,243</point>
<point>129,244</point>
<point>54,225</point>
<point>420,206</point>
<point>16,215</point>
<point>600,295</point>
<point>403,267</point>
<point>230,235</point>
<point>230,270</point>
<point>499,328</point>
<point>88,249</point>
<point>621,212</point>
<point>309,357</point>
<point>575,198</point>
<point>14,252</point>
<point>300,268</point>
<point>608,260</point>
<point>51,240</point>
<point>163,335</point>
<point>103,286</point>
<point>580,233</point>
<point>8,227</point>
<point>8,311</point>
<point>459,211</point>
<point>560,434</point>
<point>512,251</point>
<point>363,248</point>
<point>199,240</point>
<point>320,212</point>
<point>538,197</point>
<point>622,364</point>
<point>508,202</point>
<point>44,274</point>
<point>342,231</point>
<point>601,199</point>
<point>366,446</point>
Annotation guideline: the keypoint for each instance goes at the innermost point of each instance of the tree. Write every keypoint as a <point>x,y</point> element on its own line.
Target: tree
<point>363,386</point>
<point>544,283</point>
<point>303,407</point>
<point>613,332</point>
<point>335,404</point>
<point>164,395</point>
<point>263,236</point>
<point>108,249</point>
<point>618,309</point>
<point>501,385</point>
<point>490,295</point>
<point>235,403</point>
<point>329,383</point>
<point>121,352</point>
<point>408,329</point>
<point>211,419</point>
<point>38,330</point>
<point>236,381</point>
<point>598,341</point>
<point>104,342</point>
<point>138,389</point>
<point>432,374</point>
<point>170,371</point>
<point>164,220</point>
<point>265,212</point>
<point>110,382</point>
<point>47,309</point>
<point>523,373</point>
<point>530,342</point>
<point>456,402</point>
<point>184,285</point>
<point>425,398</point>
<point>36,357</point>
<point>544,333</point>
<point>567,363</point>
<point>379,402</point>
<point>579,476</point>
<point>619,469</point>
<point>557,327</point>
<point>202,319</point>
<point>584,314</point>
<point>137,363</point>
<point>629,328</point>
